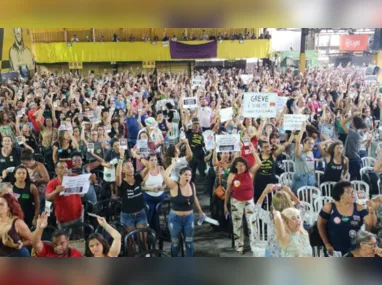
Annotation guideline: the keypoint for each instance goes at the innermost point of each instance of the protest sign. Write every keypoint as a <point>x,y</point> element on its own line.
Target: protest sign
<point>281,102</point>
<point>226,114</point>
<point>197,81</point>
<point>294,122</point>
<point>247,78</point>
<point>161,104</point>
<point>142,147</point>
<point>257,105</point>
<point>370,79</point>
<point>90,147</point>
<point>209,141</point>
<point>21,112</point>
<point>190,102</point>
<point>227,143</point>
<point>123,144</point>
<point>75,184</point>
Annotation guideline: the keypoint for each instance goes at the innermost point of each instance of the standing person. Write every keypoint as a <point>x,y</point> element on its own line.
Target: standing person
<point>181,218</point>
<point>353,143</point>
<point>240,184</point>
<point>37,173</point>
<point>9,157</point>
<point>173,151</point>
<point>304,162</point>
<point>292,237</point>
<point>204,115</point>
<point>7,127</point>
<point>14,233</point>
<point>153,187</point>
<point>339,221</point>
<point>63,148</point>
<point>337,165</point>
<point>133,211</point>
<point>196,141</point>
<point>68,208</point>
<point>98,246</point>
<point>27,195</point>
<point>59,246</point>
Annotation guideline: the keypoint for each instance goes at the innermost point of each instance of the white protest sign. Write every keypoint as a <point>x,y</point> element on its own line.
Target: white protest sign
<point>123,143</point>
<point>226,114</point>
<point>294,122</point>
<point>371,79</point>
<point>259,105</point>
<point>190,102</point>
<point>281,102</point>
<point>142,146</point>
<point>247,78</point>
<point>75,185</point>
<point>197,81</point>
<point>209,141</point>
<point>161,104</point>
<point>21,112</point>
<point>227,143</point>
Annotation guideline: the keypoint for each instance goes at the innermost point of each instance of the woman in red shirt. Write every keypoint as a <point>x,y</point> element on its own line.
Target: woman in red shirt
<point>240,183</point>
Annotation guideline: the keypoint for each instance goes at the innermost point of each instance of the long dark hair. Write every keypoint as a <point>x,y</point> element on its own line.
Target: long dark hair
<point>237,160</point>
<point>170,153</point>
<point>27,179</point>
<point>101,240</point>
<point>333,146</point>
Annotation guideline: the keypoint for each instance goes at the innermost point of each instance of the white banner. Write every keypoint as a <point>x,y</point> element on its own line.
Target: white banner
<point>226,114</point>
<point>247,78</point>
<point>209,140</point>
<point>281,102</point>
<point>257,105</point>
<point>294,122</point>
<point>75,185</point>
<point>190,102</point>
<point>227,143</point>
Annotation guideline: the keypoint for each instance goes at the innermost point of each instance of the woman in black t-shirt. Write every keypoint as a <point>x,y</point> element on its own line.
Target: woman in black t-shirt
<point>9,157</point>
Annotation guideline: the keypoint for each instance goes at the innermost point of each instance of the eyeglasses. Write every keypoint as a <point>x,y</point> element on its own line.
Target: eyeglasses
<point>371,244</point>
<point>349,191</point>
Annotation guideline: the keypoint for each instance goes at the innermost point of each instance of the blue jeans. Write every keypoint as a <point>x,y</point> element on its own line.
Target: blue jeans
<point>23,252</point>
<point>363,153</point>
<point>152,202</point>
<point>181,224</point>
<point>91,196</point>
<point>300,180</point>
<point>135,219</point>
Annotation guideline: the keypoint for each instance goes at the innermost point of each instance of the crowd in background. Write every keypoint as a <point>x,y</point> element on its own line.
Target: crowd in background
<point>144,147</point>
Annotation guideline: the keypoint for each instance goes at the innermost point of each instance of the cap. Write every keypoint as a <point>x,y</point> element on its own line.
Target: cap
<point>195,120</point>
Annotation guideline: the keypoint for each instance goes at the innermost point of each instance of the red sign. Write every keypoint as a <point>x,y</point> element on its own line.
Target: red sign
<point>354,42</point>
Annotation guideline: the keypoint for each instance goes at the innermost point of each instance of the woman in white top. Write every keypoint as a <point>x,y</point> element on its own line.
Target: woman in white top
<point>292,237</point>
<point>173,151</point>
<point>153,187</point>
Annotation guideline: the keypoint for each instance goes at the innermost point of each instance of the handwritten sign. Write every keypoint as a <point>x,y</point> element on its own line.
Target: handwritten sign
<point>227,143</point>
<point>294,122</point>
<point>259,105</point>
<point>247,78</point>
<point>226,114</point>
<point>142,147</point>
<point>197,81</point>
<point>281,102</point>
<point>209,141</point>
<point>190,102</point>
<point>75,185</point>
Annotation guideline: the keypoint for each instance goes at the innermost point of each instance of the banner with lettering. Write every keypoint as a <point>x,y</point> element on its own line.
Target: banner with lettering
<point>227,143</point>
<point>354,42</point>
<point>257,105</point>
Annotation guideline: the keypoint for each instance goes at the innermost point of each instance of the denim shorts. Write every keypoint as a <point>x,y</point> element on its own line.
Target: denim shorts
<point>135,219</point>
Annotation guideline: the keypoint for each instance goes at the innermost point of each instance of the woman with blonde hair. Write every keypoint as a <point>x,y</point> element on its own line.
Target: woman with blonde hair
<point>291,235</point>
<point>282,199</point>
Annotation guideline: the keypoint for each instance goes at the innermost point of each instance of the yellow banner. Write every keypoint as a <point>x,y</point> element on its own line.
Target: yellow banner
<point>75,65</point>
<point>148,64</point>
<point>139,51</point>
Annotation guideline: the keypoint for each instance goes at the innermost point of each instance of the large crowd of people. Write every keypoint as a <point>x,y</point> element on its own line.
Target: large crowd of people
<point>146,152</point>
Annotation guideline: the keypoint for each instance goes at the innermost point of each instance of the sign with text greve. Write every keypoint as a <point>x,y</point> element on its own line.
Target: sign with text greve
<point>257,105</point>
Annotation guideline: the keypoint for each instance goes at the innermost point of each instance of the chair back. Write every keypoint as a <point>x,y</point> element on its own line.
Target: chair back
<point>318,174</point>
<point>364,169</point>
<point>320,202</point>
<point>163,211</point>
<point>286,178</point>
<point>110,209</point>
<point>326,188</point>
<point>307,213</point>
<point>308,194</point>
<point>368,161</point>
<point>361,186</point>
<point>140,240</point>
<point>288,165</point>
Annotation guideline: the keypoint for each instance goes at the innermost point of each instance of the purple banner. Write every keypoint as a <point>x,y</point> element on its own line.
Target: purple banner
<point>183,51</point>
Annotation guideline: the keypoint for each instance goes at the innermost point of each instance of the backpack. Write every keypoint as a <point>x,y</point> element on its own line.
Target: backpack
<point>371,178</point>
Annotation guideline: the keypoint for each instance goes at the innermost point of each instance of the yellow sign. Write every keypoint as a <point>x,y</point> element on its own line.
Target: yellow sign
<point>75,65</point>
<point>148,64</point>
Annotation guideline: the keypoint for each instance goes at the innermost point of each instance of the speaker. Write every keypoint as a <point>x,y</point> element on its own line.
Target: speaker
<point>372,70</point>
<point>377,39</point>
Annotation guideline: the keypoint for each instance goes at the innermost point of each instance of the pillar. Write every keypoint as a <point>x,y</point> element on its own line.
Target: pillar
<point>304,33</point>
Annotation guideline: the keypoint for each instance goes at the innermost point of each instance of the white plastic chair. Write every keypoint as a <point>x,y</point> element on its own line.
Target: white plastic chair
<point>308,194</point>
<point>320,202</point>
<point>364,169</point>
<point>286,179</point>
<point>368,161</point>
<point>278,178</point>
<point>262,228</point>
<point>289,165</point>
<point>361,186</point>
<point>319,174</point>
<point>174,133</point>
<point>287,156</point>
<point>326,188</point>
<point>307,213</point>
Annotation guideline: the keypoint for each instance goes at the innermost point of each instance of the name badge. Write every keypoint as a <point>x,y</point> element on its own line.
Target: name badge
<point>356,218</point>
